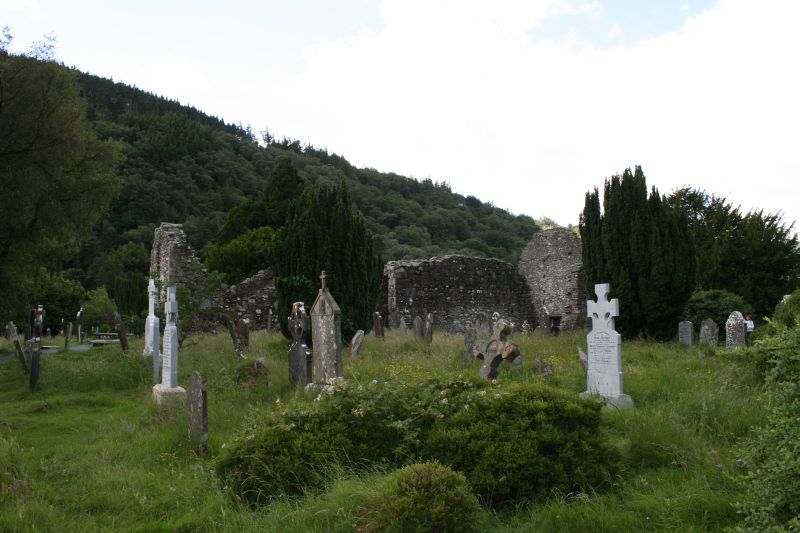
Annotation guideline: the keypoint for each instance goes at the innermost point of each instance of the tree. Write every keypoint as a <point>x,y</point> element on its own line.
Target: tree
<point>326,233</point>
<point>755,255</point>
<point>57,178</point>
<point>242,257</point>
<point>642,247</point>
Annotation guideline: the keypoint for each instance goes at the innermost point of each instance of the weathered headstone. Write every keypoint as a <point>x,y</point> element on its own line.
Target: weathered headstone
<point>168,390</point>
<point>239,330</point>
<point>584,359</point>
<point>122,332</point>
<point>604,373</point>
<point>418,328</point>
<point>68,337</point>
<point>49,334</point>
<point>497,350</point>
<point>197,407</point>
<point>355,343</point>
<point>299,352</point>
<point>526,328</point>
<point>33,354</point>
<point>686,332</point>
<point>79,323</point>
<point>11,331</point>
<point>269,319</point>
<point>326,330</point>
<point>403,327</point>
<point>709,332</point>
<point>735,331</point>
<point>469,344</point>
<point>427,330</point>
<point>38,322</point>
<point>377,325</point>
<point>152,331</point>
<point>544,369</point>
<point>483,326</point>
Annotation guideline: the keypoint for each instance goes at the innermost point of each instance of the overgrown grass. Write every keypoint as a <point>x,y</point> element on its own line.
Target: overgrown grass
<point>89,451</point>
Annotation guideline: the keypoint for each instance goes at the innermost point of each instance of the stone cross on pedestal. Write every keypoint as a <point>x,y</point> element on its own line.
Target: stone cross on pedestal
<point>169,390</point>
<point>152,330</point>
<point>604,372</point>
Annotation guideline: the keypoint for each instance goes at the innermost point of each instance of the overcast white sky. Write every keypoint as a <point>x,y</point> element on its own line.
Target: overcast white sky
<point>527,104</point>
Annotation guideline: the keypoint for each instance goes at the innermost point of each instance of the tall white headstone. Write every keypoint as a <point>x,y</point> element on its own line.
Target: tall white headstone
<point>152,331</point>
<point>169,389</point>
<point>604,372</point>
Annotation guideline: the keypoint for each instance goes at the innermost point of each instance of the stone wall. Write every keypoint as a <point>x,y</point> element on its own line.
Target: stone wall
<point>252,299</point>
<point>455,288</point>
<point>552,265</point>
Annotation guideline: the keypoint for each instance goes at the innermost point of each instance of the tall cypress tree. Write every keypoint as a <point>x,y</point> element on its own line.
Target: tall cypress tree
<point>325,232</point>
<point>642,247</point>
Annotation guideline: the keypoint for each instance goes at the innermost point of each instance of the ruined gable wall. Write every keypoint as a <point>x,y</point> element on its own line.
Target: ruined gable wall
<point>552,265</point>
<point>455,288</point>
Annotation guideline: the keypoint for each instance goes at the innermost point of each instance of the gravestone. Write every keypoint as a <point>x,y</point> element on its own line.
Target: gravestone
<point>402,327</point>
<point>122,332</point>
<point>299,352</point>
<point>495,318</point>
<point>735,331</point>
<point>152,331</point>
<point>326,331</point>
<point>497,350</point>
<point>38,322</point>
<point>355,343</point>
<point>604,372</point>
<point>483,326</point>
<point>269,319</point>
<point>168,391</point>
<point>469,344</point>
<point>79,323</point>
<point>709,332</point>
<point>197,407</point>
<point>49,334</point>
<point>526,328</point>
<point>239,330</point>
<point>686,332</point>
<point>584,359</point>
<point>418,328</point>
<point>11,331</point>
<point>68,337</point>
<point>427,329</point>
<point>33,355</point>
<point>377,325</point>
<point>541,367</point>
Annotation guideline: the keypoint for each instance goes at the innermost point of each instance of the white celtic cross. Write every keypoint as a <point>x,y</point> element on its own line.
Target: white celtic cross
<point>602,311</point>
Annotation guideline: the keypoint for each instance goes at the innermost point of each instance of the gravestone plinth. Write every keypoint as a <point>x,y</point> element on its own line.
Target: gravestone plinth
<point>686,332</point>
<point>709,333</point>
<point>604,372</point>
<point>326,331</point>
<point>735,331</point>
<point>168,391</point>
<point>355,343</point>
<point>299,352</point>
<point>197,409</point>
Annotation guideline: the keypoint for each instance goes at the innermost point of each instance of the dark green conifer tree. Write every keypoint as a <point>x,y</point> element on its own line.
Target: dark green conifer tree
<point>325,232</point>
<point>642,247</point>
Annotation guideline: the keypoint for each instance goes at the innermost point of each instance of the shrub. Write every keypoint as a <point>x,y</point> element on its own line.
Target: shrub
<point>426,497</point>
<point>714,304</point>
<point>99,310</point>
<point>772,500</point>
<point>786,313</point>
<point>513,442</point>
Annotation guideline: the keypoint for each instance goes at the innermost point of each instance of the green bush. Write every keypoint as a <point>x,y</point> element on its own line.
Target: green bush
<point>98,310</point>
<point>513,442</point>
<point>714,304</point>
<point>787,313</point>
<point>426,497</point>
<point>772,499</point>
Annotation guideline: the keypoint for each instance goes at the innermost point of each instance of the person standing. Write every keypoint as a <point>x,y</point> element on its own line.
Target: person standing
<point>750,326</point>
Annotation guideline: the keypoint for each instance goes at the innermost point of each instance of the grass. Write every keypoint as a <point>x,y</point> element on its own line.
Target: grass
<point>89,450</point>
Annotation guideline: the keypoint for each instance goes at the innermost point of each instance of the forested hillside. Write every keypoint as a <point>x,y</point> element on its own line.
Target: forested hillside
<point>181,165</point>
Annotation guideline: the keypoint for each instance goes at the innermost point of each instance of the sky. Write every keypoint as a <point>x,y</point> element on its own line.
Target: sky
<point>525,104</point>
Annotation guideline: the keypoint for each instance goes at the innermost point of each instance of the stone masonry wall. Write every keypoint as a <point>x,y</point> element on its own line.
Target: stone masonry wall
<point>552,265</point>
<point>455,288</point>
<point>251,299</point>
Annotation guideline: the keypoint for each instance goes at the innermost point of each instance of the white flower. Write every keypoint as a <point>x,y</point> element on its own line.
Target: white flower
<point>318,398</point>
<point>374,382</point>
<point>444,401</point>
<point>482,393</point>
<point>277,400</point>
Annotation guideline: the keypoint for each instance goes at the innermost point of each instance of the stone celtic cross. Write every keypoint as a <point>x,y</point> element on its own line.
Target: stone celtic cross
<point>322,279</point>
<point>603,310</point>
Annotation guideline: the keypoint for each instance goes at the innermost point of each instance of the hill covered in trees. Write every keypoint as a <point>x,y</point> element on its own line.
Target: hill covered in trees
<point>181,165</point>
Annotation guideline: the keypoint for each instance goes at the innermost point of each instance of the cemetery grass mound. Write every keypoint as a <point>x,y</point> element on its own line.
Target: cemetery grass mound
<point>89,451</point>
